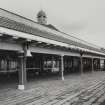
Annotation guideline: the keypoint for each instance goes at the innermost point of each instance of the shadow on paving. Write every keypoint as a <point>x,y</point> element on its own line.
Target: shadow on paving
<point>11,80</point>
<point>49,89</point>
<point>103,103</point>
<point>8,81</point>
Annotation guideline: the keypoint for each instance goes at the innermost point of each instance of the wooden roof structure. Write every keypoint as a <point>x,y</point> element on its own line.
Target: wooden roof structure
<point>24,28</point>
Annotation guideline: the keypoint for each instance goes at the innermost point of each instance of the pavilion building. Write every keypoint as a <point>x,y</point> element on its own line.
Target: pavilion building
<point>26,45</point>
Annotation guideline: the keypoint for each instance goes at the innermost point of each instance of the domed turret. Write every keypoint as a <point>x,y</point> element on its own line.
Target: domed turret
<point>41,17</point>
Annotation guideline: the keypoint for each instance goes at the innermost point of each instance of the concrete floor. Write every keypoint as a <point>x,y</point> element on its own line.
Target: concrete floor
<point>76,89</point>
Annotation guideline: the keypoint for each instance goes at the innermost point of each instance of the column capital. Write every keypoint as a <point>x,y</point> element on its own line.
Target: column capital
<point>21,54</point>
<point>81,53</point>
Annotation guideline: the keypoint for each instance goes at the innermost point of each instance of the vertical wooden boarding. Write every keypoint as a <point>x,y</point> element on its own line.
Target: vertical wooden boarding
<point>99,66</point>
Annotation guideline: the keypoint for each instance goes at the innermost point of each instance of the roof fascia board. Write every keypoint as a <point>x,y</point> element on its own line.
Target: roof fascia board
<point>27,36</point>
<point>15,33</point>
<point>29,22</point>
<point>92,56</point>
<point>50,51</point>
<point>10,46</point>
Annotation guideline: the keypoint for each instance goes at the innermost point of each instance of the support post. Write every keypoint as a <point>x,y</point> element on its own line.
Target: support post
<point>92,65</point>
<point>52,59</point>
<point>81,60</point>
<point>104,64</point>
<point>99,64</point>
<point>22,69</point>
<point>22,73</point>
<point>41,65</point>
<point>62,67</point>
<point>72,63</point>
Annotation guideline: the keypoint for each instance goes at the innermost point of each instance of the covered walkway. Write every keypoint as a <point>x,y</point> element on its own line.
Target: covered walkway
<point>29,47</point>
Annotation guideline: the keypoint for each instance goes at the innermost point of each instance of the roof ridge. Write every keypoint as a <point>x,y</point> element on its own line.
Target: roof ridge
<point>16,14</point>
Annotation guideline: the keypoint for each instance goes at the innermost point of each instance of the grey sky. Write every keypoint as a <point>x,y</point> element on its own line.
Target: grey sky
<point>84,19</point>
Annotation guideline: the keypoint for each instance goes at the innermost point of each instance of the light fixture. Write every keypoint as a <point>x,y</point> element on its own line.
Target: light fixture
<point>15,37</point>
<point>29,40</point>
<point>1,34</point>
<point>28,53</point>
<point>39,42</point>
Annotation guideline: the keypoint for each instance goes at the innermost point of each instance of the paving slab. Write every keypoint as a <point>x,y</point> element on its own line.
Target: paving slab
<point>76,89</point>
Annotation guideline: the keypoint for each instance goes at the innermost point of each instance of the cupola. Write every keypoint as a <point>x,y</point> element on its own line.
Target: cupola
<point>41,17</point>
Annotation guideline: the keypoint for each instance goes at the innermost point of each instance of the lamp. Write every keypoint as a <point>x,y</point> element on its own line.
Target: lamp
<point>1,34</point>
<point>28,53</point>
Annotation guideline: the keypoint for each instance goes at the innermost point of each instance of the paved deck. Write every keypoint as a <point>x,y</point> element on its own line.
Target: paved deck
<point>76,89</point>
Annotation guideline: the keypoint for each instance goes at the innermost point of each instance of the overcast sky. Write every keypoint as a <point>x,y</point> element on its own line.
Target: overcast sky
<point>84,19</point>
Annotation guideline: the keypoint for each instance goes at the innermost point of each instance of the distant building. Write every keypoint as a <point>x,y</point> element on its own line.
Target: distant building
<point>26,45</point>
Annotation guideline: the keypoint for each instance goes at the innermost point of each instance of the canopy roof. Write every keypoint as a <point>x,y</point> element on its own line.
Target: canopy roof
<point>16,22</point>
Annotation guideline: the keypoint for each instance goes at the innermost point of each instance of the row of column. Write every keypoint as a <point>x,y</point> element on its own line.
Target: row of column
<point>23,74</point>
<point>22,70</point>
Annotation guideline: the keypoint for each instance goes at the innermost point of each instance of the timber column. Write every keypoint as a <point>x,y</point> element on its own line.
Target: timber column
<point>81,63</point>
<point>22,70</point>
<point>62,67</point>
<point>92,65</point>
<point>104,64</point>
